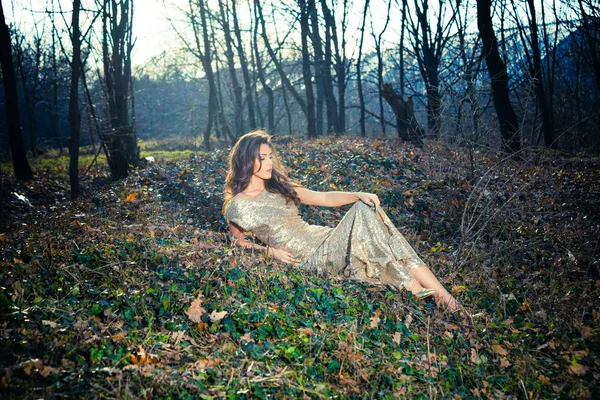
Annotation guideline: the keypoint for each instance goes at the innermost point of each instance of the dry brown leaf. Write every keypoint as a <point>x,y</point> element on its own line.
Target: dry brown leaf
<point>525,306</point>
<point>499,350</point>
<point>130,238</point>
<point>47,371</point>
<point>473,355</point>
<point>206,363</point>
<point>355,356</point>
<point>51,324</point>
<point>544,379</point>
<point>177,336</point>
<point>577,369</point>
<point>504,362</point>
<point>118,336</point>
<point>195,311</point>
<point>216,316</point>
<point>202,326</point>
<point>131,196</point>
<point>458,289</point>
<point>375,319</point>
<point>397,337</point>
<point>143,358</point>
<point>306,331</point>
<point>246,337</point>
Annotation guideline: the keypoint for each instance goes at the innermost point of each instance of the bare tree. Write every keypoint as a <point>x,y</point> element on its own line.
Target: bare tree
<point>21,166</point>
<point>406,125</point>
<point>312,127</point>
<point>377,39</point>
<point>260,71</point>
<point>509,126</point>
<point>244,64</point>
<point>277,61</point>
<point>29,71</point>
<point>237,88</point>
<point>74,115</point>
<point>429,44</point>
<point>121,141</point>
<point>361,96</point>
<point>531,48</point>
<point>340,62</point>
<point>590,29</point>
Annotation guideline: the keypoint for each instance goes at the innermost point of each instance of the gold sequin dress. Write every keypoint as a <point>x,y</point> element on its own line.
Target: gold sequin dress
<point>361,247</point>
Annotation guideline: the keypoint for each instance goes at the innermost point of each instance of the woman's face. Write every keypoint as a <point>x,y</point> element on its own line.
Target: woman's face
<point>263,164</point>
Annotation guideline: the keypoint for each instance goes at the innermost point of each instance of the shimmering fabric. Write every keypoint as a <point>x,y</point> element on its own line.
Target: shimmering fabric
<point>362,247</point>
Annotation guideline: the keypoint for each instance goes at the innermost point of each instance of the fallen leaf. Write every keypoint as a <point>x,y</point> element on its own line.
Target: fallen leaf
<point>216,316</point>
<point>458,289</point>
<point>247,338</point>
<point>47,371</point>
<point>51,324</point>
<point>195,311</point>
<point>504,362</point>
<point>131,196</point>
<point>397,337</point>
<point>355,356</point>
<point>375,319</point>
<point>499,350</point>
<point>577,369</point>
<point>525,306</point>
<point>306,331</point>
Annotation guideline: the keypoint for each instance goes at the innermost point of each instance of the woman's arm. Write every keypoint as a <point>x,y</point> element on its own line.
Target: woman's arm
<point>335,199</point>
<point>278,254</point>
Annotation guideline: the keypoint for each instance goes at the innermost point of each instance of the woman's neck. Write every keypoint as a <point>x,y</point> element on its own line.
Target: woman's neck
<point>256,185</point>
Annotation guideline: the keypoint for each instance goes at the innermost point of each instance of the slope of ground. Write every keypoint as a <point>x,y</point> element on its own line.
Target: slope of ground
<point>134,290</point>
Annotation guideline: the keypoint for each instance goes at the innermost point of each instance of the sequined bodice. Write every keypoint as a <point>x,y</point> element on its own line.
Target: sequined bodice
<point>277,223</point>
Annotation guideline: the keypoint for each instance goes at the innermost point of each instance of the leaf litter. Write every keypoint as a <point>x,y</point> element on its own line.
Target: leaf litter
<point>136,288</point>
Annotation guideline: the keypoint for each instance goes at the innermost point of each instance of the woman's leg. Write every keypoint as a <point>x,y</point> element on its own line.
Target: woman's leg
<point>414,286</point>
<point>426,278</point>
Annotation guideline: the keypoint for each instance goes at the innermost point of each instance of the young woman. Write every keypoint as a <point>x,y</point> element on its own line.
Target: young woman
<point>365,246</point>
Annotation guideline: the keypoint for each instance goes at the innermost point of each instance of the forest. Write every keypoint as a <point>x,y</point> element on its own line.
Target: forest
<point>476,122</point>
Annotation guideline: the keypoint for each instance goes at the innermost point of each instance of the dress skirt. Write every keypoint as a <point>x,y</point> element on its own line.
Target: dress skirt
<point>366,248</point>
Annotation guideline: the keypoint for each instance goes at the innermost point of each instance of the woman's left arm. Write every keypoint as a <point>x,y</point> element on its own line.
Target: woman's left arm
<point>335,199</point>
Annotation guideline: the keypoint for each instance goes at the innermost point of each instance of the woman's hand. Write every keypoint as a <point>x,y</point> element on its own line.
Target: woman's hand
<point>283,256</point>
<point>370,199</point>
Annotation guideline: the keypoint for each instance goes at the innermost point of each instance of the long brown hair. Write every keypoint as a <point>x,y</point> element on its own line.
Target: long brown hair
<point>241,168</point>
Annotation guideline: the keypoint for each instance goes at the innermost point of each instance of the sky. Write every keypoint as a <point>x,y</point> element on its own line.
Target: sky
<point>151,24</point>
<point>153,21</point>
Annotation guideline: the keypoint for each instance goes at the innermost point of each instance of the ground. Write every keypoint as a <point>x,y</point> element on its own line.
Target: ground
<point>134,290</point>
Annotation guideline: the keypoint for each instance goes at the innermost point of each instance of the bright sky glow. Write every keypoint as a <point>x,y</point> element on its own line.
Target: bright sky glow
<point>154,20</point>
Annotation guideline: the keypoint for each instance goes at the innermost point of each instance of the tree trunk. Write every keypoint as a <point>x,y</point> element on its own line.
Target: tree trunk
<point>306,73</point>
<point>538,80</point>
<point>207,64</point>
<point>377,40</point>
<point>333,123</point>
<point>244,64</point>
<point>509,126</point>
<point>284,78</point>
<point>263,81</point>
<point>361,97</point>
<point>74,116</point>
<point>121,141</point>
<point>235,85</point>
<point>15,139</point>
<point>311,10</point>
<point>406,125</point>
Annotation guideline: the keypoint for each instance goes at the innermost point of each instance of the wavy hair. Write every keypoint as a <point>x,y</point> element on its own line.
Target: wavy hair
<point>241,168</point>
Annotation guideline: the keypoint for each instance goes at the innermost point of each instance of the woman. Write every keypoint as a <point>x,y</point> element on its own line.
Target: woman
<point>365,246</point>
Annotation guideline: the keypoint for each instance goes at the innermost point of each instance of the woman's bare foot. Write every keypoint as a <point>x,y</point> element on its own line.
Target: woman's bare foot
<point>449,302</point>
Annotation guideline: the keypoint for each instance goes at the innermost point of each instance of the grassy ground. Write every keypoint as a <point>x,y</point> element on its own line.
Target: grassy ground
<point>134,291</point>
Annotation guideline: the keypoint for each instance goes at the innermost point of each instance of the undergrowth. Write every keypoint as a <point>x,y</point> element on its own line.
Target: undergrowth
<point>134,290</point>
